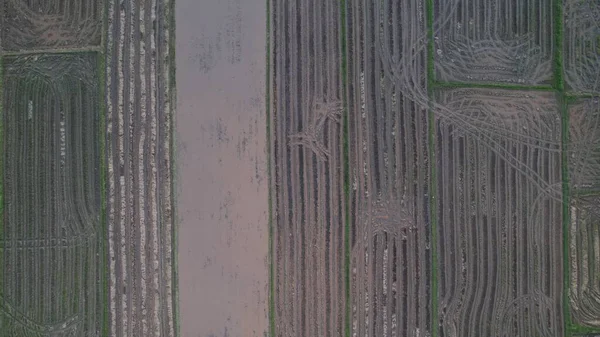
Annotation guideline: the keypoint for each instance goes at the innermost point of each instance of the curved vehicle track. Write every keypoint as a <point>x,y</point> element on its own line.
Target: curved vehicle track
<point>390,227</point>
<point>308,198</point>
<point>494,41</point>
<point>499,258</point>
<point>582,46</point>
<point>51,24</point>
<point>584,177</point>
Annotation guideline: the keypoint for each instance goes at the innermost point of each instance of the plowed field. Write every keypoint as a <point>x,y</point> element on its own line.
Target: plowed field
<point>469,166</point>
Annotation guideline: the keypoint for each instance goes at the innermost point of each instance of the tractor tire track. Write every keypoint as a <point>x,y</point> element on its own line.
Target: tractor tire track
<point>494,41</point>
<point>54,24</point>
<point>498,249</point>
<point>582,46</point>
<point>584,244</point>
<point>390,226</point>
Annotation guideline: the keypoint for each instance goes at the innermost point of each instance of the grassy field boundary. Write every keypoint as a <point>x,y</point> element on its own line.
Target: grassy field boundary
<point>346,167</point>
<point>565,211</point>
<point>565,99</point>
<point>430,47</point>
<point>101,60</point>
<point>271,295</point>
<point>558,84</point>
<point>1,174</point>
<point>578,330</point>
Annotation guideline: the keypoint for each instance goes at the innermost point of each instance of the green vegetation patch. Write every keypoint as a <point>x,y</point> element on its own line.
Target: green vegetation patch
<point>53,191</point>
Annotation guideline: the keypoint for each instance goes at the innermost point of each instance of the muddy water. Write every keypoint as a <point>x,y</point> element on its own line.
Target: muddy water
<point>221,161</point>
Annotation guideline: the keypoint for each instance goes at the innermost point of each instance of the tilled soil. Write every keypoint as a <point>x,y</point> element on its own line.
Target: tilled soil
<point>51,24</point>
<point>307,169</point>
<point>455,193</point>
<point>499,209</point>
<point>391,255</point>
<point>582,46</point>
<point>494,41</point>
<point>56,267</point>
<point>138,122</point>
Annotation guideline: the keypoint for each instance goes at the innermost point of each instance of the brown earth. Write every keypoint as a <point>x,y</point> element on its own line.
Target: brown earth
<point>222,178</point>
<point>389,169</point>
<point>307,169</point>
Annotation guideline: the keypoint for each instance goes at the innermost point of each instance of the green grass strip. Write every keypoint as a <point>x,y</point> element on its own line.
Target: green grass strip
<point>565,99</point>
<point>576,330</point>
<point>454,85</point>
<point>1,172</point>
<point>346,163</point>
<point>565,210</point>
<point>558,84</point>
<point>269,173</point>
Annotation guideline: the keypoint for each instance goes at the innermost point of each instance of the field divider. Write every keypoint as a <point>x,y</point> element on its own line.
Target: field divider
<point>1,173</point>
<point>565,212</point>
<point>563,100</point>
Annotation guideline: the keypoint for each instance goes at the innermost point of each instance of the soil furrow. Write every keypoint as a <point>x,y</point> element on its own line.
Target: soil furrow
<point>501,222</point>
<point>390,152</point>
<point>139,175</point>
<point>308,114</point>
